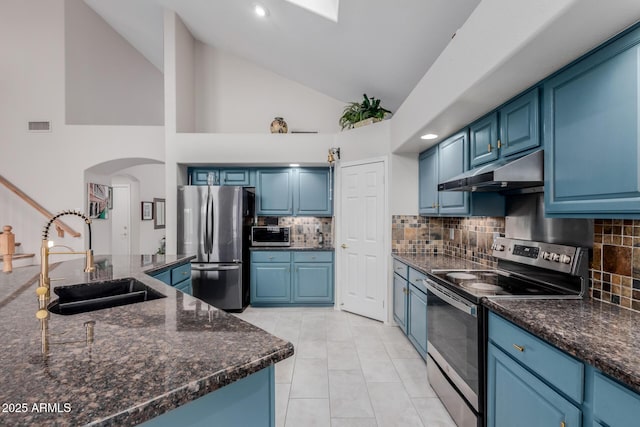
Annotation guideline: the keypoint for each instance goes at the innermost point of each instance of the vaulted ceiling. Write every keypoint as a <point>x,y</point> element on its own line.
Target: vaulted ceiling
<point>378,47</point>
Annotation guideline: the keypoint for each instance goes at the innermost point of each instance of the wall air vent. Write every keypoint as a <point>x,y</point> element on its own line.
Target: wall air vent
<point>40,126</point>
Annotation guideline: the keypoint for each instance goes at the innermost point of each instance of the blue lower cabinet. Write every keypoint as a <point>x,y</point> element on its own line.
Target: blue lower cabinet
<point>313,283</point>
<point>613,404</point>
<point>270,283</point>
<point>164,276</point>
<point>516,397</point>
<point>281,278</point>
<point>246,402</point>
<point>400,292</point>
<point>185,287</point>
<point>417,319</point>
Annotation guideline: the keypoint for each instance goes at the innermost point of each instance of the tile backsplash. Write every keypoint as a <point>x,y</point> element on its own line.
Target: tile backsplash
<point>303,229</point>
<point>469,238</point>
<point>615,264</point>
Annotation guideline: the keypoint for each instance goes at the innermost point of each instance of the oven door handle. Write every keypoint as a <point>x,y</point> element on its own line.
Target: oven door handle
<point>470,309</point>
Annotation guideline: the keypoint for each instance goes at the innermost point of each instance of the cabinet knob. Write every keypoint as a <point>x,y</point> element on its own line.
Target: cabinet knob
<point>343,246</point>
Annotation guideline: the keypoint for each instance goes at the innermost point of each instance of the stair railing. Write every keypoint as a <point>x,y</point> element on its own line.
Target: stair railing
<point>61,227</point>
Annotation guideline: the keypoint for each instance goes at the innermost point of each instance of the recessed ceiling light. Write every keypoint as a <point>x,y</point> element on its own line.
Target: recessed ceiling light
<point>294,165</point>
<point>429,136</point>
<point>260,10</point>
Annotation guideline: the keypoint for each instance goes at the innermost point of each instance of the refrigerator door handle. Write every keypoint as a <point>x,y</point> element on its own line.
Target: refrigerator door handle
<point>216,268</point>
<point>206,224</point>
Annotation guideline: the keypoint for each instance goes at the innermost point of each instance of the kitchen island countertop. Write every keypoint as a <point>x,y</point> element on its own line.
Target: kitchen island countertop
<point>291,248</point>
<point>145,360</point>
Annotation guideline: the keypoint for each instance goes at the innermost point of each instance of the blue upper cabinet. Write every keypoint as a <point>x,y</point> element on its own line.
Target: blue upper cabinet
<point>512,129</point>
<point>202,176</point>
<point>453,158</point>
<point>428,182</point>
<point>311,192</point>
<point>591,123</point>
<point>235,177</point>
<point>274,191</point>
<point>519,124</point>
<point>483,136</point>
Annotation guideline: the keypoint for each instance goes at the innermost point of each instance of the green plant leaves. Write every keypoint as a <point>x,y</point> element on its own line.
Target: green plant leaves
<point>357,111</point>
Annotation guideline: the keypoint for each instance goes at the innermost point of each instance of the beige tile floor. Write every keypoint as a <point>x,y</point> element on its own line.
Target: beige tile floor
<point>347,371</point>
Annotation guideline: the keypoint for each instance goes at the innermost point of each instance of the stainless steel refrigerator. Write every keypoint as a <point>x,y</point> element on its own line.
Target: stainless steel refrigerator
<point>214,223</point>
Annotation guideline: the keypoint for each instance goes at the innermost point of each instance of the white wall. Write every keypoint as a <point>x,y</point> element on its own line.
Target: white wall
<point>107,81</point>
<point>185,77</point>
<point>237,96</point>
<point>147,183</point>
<point>50,166</point>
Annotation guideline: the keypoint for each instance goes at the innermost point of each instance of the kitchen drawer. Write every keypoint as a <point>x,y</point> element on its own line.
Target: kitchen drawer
<point>180,273</point>
<point>185,287</point>
<point>401,269</point>
<point>309,256</point>
<point>552,365</point>
<point>416,279</point>
<point>271,256</point>
<point>614,404</point>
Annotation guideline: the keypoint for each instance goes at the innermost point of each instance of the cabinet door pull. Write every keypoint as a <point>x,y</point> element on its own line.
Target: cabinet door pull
<point>271,257</point>
<point>499,144</point>
<point>562,424</point>
<point>518,347</point>
<point>489,147</point>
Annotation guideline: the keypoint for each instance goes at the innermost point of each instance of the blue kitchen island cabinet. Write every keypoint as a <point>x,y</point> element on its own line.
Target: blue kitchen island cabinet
<point>246,402</point>
<point>179,277</point>
<point>282,278</point>
<point>592,143</point>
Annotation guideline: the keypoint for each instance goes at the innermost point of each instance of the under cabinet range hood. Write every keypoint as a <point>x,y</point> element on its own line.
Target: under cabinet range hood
<point>501,175</point>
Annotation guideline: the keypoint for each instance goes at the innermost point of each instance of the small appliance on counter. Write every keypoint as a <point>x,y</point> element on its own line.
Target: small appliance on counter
<point>214,222</point>
<point>270,235</point>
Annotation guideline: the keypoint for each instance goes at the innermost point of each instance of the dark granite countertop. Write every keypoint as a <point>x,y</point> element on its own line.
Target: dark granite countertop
<point>291,248</point>
<point>146,358</point>
<point>427,263</point>
<point>600,334</point>
<point>603,335</point>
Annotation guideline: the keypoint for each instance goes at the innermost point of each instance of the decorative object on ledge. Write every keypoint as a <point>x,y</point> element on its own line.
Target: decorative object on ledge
<point>147,211</point>
<point>159,207</point>
<point>98,201</point>
<point>7,248</point>
<point>278,125</point>
<point>357,114</point>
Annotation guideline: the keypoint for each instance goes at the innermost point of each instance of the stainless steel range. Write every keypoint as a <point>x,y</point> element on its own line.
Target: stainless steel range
<point>456,320</point>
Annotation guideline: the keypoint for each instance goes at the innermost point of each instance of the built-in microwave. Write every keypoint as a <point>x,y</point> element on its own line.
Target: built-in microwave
<point>269,235</point>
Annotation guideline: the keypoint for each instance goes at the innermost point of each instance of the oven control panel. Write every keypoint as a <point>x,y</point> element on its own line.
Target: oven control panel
<point>540,254</point>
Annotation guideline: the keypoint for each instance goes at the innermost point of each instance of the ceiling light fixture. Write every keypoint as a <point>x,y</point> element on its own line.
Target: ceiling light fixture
<point>260,10</point>
<point>429,136</point>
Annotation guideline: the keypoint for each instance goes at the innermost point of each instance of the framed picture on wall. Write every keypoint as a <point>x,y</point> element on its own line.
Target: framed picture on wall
<point>147,211</point>
<point>98,201</point>
<point>110,199</point>
<point>159,221</point>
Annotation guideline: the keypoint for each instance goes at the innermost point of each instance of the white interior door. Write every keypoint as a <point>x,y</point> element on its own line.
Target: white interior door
<point>363,271</point>
<point>120,222</point>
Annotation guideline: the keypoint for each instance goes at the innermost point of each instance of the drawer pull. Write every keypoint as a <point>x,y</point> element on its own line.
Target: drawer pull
<point>562,424</point>
<point>313,257</point>
<point>184,273</point>
<point>518,347</point>
<point>271,257</point>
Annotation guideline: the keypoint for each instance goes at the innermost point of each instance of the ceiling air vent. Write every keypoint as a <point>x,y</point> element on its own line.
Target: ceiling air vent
<point>40,126</point>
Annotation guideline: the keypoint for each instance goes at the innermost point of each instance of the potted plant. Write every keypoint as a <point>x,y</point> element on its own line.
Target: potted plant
<point>358,114</point>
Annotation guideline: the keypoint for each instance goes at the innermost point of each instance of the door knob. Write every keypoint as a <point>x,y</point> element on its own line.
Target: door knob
<point>343,246</point>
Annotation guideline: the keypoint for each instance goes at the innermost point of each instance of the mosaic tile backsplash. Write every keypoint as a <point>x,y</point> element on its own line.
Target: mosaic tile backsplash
<point>615,264</point>
<point>303,229</point>
<point>468,238</point>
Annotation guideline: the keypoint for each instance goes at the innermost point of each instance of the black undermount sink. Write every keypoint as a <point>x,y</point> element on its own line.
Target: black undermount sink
<point>93,296</point>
